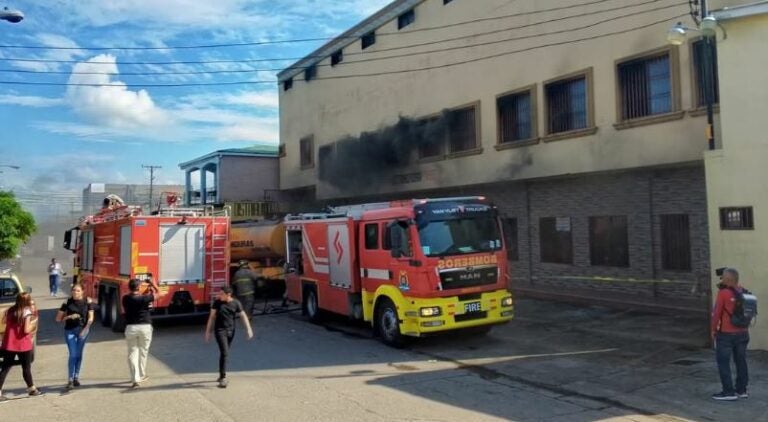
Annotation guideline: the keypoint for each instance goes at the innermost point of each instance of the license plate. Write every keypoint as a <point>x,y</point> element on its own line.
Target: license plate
<point>472,307</point>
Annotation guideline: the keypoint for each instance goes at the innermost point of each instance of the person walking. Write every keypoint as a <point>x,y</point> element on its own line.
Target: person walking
<point>138,328</point>
<point>54,276</point>
<point>222,323</point>
<point>77,314</point>
<point>730,340</point>
<point>18,341</point>
<point>244,287</point>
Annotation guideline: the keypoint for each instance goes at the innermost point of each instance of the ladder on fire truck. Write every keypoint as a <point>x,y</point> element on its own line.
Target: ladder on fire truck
<point>218,258</point>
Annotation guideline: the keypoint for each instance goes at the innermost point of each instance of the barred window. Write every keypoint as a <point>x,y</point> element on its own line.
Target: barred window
<point>645,87</point>
<point>609,241</point>
<point>306,149</point>
<point>462,130</point>
<point>515,117</point>
<point>567,105</point>
<point>740,218</point>
<point>675,242</point>
<point>699,73</point>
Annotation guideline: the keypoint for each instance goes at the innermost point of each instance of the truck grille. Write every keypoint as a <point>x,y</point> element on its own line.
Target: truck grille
<point>470,277</point>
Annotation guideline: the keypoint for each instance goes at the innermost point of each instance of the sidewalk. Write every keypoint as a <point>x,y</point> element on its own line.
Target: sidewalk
<point>635,362</point>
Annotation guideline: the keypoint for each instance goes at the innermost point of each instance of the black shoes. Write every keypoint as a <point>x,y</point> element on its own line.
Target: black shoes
<point>725,397</point>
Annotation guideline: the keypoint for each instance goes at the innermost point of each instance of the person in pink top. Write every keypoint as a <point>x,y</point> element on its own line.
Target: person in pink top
<point>18,341</point>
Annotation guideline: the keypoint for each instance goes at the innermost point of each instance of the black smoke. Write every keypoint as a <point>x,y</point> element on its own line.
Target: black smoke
<point>371,159</point>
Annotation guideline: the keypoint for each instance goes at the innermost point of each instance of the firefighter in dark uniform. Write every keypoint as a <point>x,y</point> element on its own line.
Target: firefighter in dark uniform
<point>244,287</point>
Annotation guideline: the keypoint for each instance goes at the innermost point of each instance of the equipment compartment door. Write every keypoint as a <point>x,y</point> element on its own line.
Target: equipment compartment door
<point>340,255</point>
<point>182,254</point>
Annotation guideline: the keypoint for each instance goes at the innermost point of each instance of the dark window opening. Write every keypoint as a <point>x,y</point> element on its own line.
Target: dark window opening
<point>306,147</point>
<point>324,155</point>
<point>310,73</point>
<point>700,73</point>
<point>337,57</point>
<point>368,40</point>
<point>645,87</point>
<point>462,130</point>
<point>556,240</point>
<point>736,218</point>
<point>447,1</point>
<point>675,242</point>
<point>609,241</point>
<point>510,237</point>
<point>406,19</point>
<point>372,236</point>
<point>567,105</point>
<point>515,117</point>
<point>287,84</point>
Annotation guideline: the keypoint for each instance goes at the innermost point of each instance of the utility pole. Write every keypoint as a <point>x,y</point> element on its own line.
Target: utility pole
<point>151,180</point>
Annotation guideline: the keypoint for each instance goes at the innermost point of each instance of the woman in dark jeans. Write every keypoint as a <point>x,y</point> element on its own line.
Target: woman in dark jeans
<point>77,315</point>
<point>18,341</point>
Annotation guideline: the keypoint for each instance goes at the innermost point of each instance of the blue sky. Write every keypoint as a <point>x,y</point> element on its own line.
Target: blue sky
<point>66,137</point>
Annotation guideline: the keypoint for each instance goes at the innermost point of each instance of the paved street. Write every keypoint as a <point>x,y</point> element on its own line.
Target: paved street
<point>581,369</point>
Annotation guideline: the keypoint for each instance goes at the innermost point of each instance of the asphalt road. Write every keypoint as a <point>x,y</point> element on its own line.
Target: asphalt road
<point>296,371</point>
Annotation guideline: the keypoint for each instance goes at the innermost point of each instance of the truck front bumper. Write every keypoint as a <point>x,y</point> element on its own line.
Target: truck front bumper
<point>455,312</point>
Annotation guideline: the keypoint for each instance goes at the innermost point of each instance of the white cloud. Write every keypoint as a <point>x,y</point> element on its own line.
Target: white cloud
<point>30,101</point>
<point>115,105</point>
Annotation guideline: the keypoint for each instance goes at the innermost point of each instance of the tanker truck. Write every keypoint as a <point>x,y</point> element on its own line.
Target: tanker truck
<point>262,244</point>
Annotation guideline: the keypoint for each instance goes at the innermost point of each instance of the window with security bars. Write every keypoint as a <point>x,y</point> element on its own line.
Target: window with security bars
<point>698,50</point>
<point>675,242</point>
<point>645,87</point>
<point>567,107</point>
<point>736,218</point>
<point>462,130</point>
<point>609,241</point>
<point>510,236</point>
<point>515,117</point>
<point>306,147</point>
<point>555,240</point>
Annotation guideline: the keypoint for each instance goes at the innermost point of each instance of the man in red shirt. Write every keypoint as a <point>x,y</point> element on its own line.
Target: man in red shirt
<point>729,340</point>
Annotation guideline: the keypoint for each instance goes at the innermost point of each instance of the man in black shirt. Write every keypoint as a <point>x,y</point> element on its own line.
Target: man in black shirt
<point>222,319</point>
<point>138,328</point>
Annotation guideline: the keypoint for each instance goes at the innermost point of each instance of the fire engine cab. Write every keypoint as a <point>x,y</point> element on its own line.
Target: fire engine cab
<point>409,268</point>
<point>185,250</point>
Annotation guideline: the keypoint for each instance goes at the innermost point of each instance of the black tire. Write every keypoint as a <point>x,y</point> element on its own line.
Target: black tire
<point>388,324</point>
<point>311,306</point>
<point>117,318</point>
<point>104,307</point>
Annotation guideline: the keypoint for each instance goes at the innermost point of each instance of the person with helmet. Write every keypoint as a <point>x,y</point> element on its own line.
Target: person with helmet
<point>244,286</point>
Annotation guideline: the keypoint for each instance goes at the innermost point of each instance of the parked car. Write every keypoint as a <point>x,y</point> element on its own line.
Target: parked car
<point>10,287</point>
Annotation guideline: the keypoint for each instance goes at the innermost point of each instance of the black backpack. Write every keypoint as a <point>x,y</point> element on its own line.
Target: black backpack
<point>745,309</point>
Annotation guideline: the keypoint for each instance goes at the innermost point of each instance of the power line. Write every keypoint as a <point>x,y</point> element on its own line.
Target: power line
<point>372,59</point>
<point>191,84</point>
<point>303,40</point>
<point>352,54</point>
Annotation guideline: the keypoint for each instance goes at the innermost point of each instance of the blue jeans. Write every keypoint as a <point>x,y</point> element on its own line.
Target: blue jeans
<point>53,283</point>
<point>727,345</point>
<point>75,344</point>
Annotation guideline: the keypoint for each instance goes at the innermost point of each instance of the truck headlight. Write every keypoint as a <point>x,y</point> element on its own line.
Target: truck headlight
<point>506,302</point>
<point>431,311</point>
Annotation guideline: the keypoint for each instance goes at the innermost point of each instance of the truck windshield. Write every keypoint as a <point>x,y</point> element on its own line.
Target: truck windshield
<point>459,236</point>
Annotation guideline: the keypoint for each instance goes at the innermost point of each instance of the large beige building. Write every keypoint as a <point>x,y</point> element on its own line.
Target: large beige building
<point>576,118</point>
<point>736,187</point>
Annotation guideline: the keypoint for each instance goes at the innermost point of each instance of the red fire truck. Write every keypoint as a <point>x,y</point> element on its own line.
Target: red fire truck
<point>410,268</point>
<point>185,250</point>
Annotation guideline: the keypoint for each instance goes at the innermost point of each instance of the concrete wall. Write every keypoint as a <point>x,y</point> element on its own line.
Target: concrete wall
<point>333,108</point>
<point>247,178</point>
<point>736,173</point>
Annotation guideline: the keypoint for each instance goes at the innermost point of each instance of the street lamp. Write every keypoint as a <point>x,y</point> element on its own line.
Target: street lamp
<point>10,15</point>
<point>678,35</point>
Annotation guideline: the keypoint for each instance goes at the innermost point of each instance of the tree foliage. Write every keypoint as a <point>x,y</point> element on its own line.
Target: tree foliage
<point>16,225</point>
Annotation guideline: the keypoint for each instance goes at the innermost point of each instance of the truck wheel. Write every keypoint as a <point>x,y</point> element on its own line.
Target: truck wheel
<point>104,308</point>
<point>118,320</point>
<point>311,306</point>
<point>388,324</point>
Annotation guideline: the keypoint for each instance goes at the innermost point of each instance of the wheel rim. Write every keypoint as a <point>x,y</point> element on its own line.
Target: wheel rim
<point>312,304</point>
<point>388,323</point>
